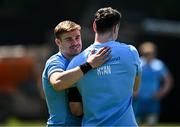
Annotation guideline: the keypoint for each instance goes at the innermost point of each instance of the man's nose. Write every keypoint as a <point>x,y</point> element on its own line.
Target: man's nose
<point>75,41</point>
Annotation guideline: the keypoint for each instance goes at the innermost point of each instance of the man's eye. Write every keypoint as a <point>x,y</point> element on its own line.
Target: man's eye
<point>68,39</point>
<point>77,38</point>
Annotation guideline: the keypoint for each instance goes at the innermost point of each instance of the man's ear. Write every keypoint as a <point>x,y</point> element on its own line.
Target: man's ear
<point>57,42</point>
<point>116,28</point>
<point>94,26</point>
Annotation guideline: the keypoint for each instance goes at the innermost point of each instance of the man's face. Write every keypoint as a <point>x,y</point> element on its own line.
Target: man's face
<point>70,43</point>
<point>148,51</point>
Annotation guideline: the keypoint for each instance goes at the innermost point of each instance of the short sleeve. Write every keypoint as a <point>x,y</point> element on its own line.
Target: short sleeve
<point>164,70</point>
<point>137,60</point>
<point>55,66</point>
<point>159,66</point>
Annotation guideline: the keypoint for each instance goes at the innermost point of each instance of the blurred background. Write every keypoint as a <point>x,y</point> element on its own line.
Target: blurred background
<point>26,41</point>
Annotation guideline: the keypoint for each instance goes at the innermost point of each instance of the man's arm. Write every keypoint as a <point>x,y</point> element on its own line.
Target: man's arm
<point>65,79</point>
<point>75,101</point>
<point>136,85</point>
<point>165,87</point>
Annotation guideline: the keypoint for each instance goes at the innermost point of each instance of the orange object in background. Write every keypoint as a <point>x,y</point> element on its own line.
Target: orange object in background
<point>15,71</point>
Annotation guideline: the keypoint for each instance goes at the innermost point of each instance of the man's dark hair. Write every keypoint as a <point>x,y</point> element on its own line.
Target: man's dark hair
<point>106,18</point>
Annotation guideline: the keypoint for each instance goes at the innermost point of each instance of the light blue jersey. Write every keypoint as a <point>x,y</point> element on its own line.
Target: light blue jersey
<point>107,90</point>
<point>152,74</point>
<point>57,101</point>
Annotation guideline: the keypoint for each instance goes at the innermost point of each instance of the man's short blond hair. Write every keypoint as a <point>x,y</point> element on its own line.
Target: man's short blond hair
<point>65,26</point>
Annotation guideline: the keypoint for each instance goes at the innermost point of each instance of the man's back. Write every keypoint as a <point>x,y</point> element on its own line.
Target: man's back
<point>107,90</point>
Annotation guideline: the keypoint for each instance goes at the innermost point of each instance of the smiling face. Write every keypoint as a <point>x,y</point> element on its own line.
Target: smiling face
<point>68,38</point>
<point>70,43</point>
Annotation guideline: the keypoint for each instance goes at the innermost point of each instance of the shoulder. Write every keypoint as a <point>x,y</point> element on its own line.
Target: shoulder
<point>79,59</point>
<point>132,48</point>
<point>84,54</point>
<point>157,64</point>
<point>57,61</point>
<point>56,58</point>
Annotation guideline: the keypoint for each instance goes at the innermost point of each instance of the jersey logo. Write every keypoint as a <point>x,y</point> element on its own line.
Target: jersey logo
<point>115,60</point>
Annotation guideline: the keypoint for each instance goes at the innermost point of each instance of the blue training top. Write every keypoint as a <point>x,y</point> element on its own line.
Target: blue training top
<point>107,90</point>
<point>57,101</point>
<point>152,74</point>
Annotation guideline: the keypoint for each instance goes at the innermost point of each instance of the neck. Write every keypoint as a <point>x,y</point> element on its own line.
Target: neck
<point>105,37</point>
<point>66,55</point>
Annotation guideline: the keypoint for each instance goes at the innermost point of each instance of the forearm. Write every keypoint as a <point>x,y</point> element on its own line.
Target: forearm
<point>65,79</point>
<point>166,86</point>
<point>76,108</point>
<point>68,78</point>
<point>75,101</point>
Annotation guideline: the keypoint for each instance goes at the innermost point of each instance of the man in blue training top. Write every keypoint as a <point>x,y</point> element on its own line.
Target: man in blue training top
<point>55,83</point>
<point>155,84</point>
<point>107,90</point>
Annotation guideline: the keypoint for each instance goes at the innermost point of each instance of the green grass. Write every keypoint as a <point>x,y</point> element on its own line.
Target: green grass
<point>14,122</point>
<point>162,125</point>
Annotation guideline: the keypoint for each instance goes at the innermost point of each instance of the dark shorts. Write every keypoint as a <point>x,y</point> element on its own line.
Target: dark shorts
<point>143,107</point>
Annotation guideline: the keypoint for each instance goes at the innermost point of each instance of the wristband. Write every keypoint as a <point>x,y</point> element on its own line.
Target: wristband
<point>85,67</point>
